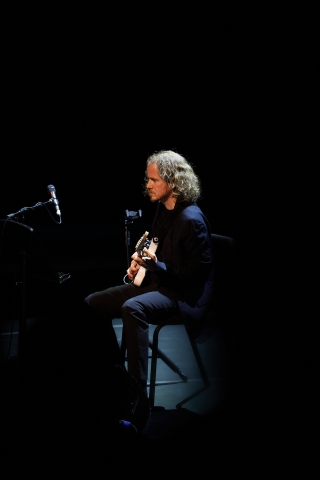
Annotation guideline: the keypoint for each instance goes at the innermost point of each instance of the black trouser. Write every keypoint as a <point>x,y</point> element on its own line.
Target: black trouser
<point>138,307</point>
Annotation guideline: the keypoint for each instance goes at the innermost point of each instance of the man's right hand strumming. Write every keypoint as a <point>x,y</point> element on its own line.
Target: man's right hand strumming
<point>133,269</point>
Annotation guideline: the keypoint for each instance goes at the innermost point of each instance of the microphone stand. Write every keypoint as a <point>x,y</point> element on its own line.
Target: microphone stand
<point>129,217</point>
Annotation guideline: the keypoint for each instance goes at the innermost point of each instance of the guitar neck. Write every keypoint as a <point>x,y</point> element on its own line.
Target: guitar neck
<point>138,279</point>
<point>141,243</point>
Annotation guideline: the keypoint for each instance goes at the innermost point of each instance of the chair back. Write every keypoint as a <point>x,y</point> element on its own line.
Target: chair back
<point>224,263</point>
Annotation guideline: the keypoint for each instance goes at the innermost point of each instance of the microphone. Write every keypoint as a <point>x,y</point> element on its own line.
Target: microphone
<point>52,192</point>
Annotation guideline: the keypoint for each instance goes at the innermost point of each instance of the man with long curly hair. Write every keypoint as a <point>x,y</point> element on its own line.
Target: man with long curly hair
<point>177,270</point>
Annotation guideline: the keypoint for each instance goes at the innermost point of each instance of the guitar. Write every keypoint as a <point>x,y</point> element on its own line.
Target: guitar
<point>142,243</point>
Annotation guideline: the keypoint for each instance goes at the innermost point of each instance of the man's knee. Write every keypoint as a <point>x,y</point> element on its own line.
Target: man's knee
<point>87,300</point>
<point>132,305</point>
<point>93,301</point>
<point>133,310</point>
<point>127,309</point>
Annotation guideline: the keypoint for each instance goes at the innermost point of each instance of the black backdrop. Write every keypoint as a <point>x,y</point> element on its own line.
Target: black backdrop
<point>88,97</point>
<point>88,94</point>
<point>85,102</point>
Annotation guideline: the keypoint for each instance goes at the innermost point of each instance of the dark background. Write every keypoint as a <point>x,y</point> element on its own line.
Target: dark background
<point>88,95</point>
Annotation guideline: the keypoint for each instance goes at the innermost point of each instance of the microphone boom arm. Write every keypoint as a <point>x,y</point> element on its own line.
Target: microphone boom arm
<point>26,209</point>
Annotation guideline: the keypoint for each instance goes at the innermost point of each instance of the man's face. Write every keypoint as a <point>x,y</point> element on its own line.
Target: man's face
<point>158,189</point>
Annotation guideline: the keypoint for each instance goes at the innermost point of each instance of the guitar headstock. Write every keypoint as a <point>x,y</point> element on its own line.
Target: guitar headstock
<point>141,243</point>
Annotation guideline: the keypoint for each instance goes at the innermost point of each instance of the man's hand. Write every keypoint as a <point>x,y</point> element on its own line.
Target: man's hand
<point>147,261</point>
<point>134,267</point>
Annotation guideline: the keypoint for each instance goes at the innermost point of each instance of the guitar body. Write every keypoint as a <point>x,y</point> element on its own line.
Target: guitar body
<point>152,247</point>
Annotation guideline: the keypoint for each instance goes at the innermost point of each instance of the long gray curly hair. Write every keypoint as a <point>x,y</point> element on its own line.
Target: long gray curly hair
<point>177,172</point>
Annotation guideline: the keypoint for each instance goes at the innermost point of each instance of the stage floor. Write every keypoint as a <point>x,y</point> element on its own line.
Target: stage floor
<point>170,387</point>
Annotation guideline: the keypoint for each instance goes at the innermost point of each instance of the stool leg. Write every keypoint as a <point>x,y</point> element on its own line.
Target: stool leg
<point>123,348</point>
<point>153,371</point>
<point>204,376</point>
<point>199,362</point>
<point>169,362</point>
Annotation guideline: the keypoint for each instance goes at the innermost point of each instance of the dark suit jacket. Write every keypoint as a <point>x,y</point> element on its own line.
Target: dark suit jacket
<point>185,262</point>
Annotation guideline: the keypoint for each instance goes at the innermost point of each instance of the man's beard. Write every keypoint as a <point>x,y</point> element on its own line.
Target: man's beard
<point>152,198</point>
